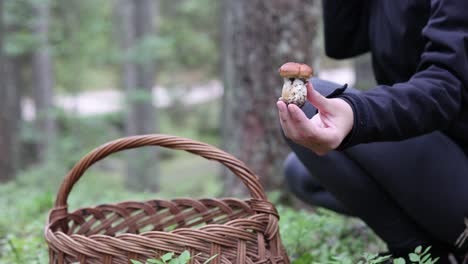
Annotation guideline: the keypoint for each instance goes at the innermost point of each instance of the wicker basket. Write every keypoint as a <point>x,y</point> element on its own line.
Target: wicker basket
<point>236,231</point>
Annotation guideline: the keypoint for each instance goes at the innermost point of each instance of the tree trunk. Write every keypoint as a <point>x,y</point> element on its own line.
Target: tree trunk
<point>259,36</point>
<point>136,24</point>
<point>9,122</point>
<point>144,111</point>
<point>43,81</point>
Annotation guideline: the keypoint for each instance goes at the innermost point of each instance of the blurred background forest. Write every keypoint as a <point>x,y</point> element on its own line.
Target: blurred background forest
<point>76,74</point>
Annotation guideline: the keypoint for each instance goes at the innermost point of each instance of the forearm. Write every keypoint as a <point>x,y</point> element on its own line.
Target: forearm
<point>430,101</point>
<point>433,98</point>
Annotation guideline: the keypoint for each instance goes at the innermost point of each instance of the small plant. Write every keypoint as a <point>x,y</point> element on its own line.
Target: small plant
<point>417,257</point>
<point>420,257</point>
<point>169,258</point>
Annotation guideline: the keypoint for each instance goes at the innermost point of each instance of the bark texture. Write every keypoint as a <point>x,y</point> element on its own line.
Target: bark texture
<point>43,81</point>
<point>136,19</point>
<point>9,113</point>
<point>258,37</point>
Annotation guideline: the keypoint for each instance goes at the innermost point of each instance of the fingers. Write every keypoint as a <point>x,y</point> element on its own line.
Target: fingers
<point>295,124</point>
<point>316,99</point>
<point>302,130</point>
<point>285,119</point>
<point>306,130</point>
<point>300,122</point>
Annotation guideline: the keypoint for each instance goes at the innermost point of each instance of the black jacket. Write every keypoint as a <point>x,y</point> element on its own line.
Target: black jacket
<point>420,57</point>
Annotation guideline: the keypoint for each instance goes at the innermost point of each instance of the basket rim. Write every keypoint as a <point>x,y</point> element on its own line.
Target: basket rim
<point>248,177</point>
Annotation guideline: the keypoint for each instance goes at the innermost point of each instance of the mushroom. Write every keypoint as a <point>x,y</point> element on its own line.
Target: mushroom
<point>295,77</point>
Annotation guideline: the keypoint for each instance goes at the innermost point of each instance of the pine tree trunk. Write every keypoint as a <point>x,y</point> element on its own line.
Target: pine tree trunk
<point>43,81</point>
<point>144,112</point>
<point>259,36</point>
<point>136,20</point>
<point>9,122</point>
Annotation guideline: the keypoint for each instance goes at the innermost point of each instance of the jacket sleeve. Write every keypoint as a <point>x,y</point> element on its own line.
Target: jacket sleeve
<point>432,99</point>
<point>346,22</point>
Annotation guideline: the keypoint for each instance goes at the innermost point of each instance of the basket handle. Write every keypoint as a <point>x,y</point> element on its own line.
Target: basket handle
<point>207,151</point>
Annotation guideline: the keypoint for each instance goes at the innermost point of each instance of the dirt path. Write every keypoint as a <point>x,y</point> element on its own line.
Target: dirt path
<point>111,100</point>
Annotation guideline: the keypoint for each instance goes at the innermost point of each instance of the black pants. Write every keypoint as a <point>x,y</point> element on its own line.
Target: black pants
<point>412,192</point>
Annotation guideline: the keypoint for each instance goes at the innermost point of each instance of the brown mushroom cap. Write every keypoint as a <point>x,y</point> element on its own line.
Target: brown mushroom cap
<point>295,70</point>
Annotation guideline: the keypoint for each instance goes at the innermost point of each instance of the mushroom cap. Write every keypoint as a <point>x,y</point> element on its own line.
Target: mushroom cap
<point>295,70</point>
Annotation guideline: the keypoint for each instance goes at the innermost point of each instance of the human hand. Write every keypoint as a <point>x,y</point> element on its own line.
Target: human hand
<point>324,131</point>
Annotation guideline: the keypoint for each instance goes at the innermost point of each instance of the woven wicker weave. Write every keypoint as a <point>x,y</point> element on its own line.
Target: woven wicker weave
<point>236,231</point>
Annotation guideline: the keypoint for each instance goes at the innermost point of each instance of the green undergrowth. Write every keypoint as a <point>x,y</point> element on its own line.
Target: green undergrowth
<point>317,236</point>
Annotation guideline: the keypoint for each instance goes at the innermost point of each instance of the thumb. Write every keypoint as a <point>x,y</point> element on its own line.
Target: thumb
<point>316,99</point>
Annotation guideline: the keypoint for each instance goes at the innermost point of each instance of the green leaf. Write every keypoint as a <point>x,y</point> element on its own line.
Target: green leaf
<point>418,250</point>
<point>425,258</point>
<point>184,257</point>
<point>136,261</point>
<point>399,261</point>
<point>156,261</point>
<point>166,257</point>
<point>174,261</point>
<point>414,257</point>
<point>426,250</point>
